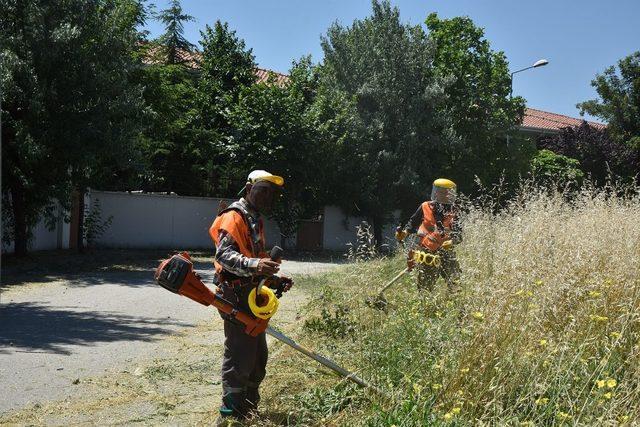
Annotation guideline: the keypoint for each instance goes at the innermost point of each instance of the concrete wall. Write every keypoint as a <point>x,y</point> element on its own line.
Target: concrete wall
<point>44,238</point>
<point>340,229</point>
<point>161,221</point>
<point>177,222</point>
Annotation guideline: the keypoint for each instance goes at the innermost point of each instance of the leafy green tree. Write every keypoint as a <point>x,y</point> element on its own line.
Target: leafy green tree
<point>383,70</point>
<point>174,44</point>
<point>169,79</point>
<point>68,105</point>
<point>169,90</point>
<point>227,68</point>
<point>272,130</point>
<point>556,170</point>
<point>619,104</point>
<point>478,104</point>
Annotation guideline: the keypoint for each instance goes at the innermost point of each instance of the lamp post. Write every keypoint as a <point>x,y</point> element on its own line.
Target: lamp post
<point>538,63</point>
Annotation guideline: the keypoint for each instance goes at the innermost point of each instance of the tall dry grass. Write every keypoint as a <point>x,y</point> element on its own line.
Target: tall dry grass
<point>545,330</point>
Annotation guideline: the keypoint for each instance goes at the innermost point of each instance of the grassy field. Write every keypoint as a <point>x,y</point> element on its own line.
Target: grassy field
<point>545,330</point>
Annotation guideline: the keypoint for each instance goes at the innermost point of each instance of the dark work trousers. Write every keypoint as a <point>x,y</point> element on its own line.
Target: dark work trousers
<point>243,369</point>
<point>449,270</point>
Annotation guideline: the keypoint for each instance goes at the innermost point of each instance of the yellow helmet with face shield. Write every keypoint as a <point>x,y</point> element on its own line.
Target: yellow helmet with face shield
<point>443,191</point>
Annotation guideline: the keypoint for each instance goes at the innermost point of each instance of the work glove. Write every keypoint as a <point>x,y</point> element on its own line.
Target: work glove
<point>447,244</point>
<point>281,284</point>
<point>401,234</point>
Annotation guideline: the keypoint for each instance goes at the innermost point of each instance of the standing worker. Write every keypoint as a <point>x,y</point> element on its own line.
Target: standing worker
<point>438,229</point>
<point>240,262</point>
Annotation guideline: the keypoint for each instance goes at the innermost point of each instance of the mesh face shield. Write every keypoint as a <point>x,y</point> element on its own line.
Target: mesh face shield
<point>443,192</point>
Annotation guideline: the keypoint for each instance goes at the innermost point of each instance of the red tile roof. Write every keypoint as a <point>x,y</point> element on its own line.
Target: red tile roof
<point>544,120</point>
<point>263,76</point>
<point>192,59</point>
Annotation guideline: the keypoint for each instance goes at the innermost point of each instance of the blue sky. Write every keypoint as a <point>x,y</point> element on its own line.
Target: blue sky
<point>579,37</point>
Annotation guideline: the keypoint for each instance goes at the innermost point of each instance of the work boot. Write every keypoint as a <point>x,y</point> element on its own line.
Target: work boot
<point>252,397</point>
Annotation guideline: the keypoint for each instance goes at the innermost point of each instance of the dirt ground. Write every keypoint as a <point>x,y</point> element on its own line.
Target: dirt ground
<point>122,362</point>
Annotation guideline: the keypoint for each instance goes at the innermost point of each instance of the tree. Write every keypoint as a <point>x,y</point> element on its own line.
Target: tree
<point>68,105</point>
<point>383,70</point>
<point>169,92</point>
<point>619,103</point>
<point>169,79</point>
<point>175,45</point>
<point>556,171</point>
<point>227,68</point>
<point>483,116</point>
<point>598,153</point>
<point>271,130</point>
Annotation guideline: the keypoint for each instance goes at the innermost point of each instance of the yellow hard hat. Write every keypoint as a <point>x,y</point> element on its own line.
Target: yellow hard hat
<point>443,191</point>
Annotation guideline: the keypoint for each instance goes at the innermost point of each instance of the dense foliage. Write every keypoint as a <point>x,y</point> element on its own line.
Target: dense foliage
<point>88,100</point>
<point>70,110</point>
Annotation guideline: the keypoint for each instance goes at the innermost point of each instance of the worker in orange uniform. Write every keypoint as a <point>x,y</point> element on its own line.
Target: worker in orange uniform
<point>438,229</point>
<point>240,261</point>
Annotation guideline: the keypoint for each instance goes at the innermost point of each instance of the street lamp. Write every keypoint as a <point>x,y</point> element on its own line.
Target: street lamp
<point>538,63</point>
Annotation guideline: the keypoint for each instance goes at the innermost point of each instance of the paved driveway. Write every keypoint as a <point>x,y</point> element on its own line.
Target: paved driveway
<point>77,326</point>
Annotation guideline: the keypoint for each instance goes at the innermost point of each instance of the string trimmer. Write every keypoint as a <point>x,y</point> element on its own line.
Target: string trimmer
<point>176,274</point>
<point>413,257</point>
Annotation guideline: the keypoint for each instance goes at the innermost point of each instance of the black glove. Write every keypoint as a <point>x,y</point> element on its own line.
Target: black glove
<point>282,284</point>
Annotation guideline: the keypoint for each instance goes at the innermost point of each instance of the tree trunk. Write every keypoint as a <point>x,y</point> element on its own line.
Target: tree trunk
<point>80,237</point>
<point>20,231</point>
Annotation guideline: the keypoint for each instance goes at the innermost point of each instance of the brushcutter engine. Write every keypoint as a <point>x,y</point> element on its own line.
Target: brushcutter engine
<point>176,274</point>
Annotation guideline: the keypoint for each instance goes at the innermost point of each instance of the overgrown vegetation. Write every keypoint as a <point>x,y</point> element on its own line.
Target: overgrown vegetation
<point>545,330</point>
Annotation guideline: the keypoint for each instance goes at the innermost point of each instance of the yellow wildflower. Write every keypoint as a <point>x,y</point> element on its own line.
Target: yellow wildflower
<point>607,395</point>
<point>478,315</point>
<point>542,401</point>
<point>615,335</point>
<point>464,370</point>
<point>600,383</point>
<point>624,418</point>
<point>608,283</point>
<point>542,343</point>
<point>448,416</point>
<point>611,383</point>
<point>436,386</point>
<point>438,315</point>
<point>597,318</point>
<point>456,410</point>
<point>563,416</point>
<point>594,294</point>
<point>417,388</point>
<point>539,283</point>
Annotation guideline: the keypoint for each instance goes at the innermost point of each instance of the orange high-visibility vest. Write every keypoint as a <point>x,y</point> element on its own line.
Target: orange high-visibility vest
<point>432,236</point>
<point>233,222</point>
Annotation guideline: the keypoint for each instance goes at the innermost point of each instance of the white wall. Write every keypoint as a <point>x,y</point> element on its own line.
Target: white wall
<point>177,222</point>
<point>45,239</point>
<point>340,229</point>
<point>162,221</point>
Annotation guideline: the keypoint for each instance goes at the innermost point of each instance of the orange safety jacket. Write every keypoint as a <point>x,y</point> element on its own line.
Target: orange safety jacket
<point>433,236</point>
<point>233,221</point>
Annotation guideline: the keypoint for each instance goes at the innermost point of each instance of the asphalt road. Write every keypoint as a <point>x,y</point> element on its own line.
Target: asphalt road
<point>75,327</point>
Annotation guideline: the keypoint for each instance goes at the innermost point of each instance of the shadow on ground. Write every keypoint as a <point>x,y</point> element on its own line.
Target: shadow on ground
<point>30,327</point>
